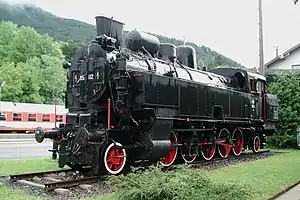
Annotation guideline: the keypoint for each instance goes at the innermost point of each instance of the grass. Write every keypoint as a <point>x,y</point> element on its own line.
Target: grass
<point>106,197</point>
<point>13,194</point>
<point>266,177</point>
<point>182,183</point>
<point>8,167</point>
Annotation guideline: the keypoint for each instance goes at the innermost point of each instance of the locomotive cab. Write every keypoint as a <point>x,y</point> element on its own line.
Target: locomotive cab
<point>256,87</point>
<point>266,104</point>
<point>263,106</point>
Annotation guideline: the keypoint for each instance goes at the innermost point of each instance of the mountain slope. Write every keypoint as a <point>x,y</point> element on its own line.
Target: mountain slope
<point>45,22</point>
<point>67,29</point>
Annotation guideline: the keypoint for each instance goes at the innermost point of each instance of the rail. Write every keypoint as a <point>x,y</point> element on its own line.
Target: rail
<point>72,183</point>
<point>230,157</point>
<point>15,177</point>
<point>25,178</point>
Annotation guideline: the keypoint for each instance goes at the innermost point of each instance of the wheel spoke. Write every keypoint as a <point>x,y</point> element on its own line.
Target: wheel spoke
<point>238,141</point>
<point>170,158</point>
<point>188,158</point>
<point>114,158</point>
<point>189,151</point>
<point>224,149</point>
<point>256,144</point>
<point>208,151</point>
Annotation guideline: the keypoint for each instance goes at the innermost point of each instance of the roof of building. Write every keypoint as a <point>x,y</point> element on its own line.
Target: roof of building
<point>285,54</point>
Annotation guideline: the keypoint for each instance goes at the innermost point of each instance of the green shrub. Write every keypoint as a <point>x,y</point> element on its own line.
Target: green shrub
<point>179,184</point>
<point>287,89</point>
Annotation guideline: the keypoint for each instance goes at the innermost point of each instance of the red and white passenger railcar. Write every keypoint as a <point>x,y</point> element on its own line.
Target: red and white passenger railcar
<point>25,117</point>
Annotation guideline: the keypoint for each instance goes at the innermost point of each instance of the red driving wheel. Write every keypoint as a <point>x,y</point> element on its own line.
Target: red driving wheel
<point>170,158</point>
<point>238,142</point>
<point>114,158</point>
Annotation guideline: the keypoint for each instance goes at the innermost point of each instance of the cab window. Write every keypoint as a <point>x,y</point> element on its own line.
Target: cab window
<point>252,85</point>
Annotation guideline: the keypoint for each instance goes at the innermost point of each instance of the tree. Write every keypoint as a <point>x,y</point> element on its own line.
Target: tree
<point>287,89</point>
<point>53,78</point>
<point>69,48</point>
<point>20,44</point>
<point>13,87</point>
<point>31,65</point>
<point>50,76</point>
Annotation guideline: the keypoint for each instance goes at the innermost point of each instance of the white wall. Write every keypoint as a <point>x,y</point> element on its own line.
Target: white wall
<point>292,59</point>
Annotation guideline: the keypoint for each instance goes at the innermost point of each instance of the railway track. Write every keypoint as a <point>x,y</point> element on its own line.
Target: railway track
<point>229,158</point>
<point>52,184</point>
<point>43,180</point>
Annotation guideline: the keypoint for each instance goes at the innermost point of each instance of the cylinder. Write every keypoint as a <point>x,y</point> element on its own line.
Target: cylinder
<point>136,40</point>
<point>97,136</point>
<point>109,27</point>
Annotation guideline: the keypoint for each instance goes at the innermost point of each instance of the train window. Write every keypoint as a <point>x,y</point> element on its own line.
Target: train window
<point>17,117</point>
<point>240,79</point>
<point>260,87</point>
<point>2,116</point>
<point>59,118</point>
<point>32,117</point>
<point>46,118</point>
<point>253,85</point>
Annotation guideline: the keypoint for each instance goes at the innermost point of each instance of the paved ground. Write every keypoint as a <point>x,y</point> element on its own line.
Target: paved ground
<point>16,136</point>
<point>23,146</point>
<point>293,194</point>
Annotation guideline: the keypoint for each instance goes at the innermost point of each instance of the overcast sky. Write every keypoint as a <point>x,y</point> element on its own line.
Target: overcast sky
<point>227,26</point>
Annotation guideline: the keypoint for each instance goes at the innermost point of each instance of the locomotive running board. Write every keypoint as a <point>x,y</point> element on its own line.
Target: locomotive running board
<point>193,129</point>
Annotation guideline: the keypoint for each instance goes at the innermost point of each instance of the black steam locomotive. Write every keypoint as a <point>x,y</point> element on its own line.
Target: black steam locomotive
<point>149,102</point>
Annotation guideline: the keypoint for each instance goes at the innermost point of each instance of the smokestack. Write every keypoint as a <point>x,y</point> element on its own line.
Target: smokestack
<point>109,27</point>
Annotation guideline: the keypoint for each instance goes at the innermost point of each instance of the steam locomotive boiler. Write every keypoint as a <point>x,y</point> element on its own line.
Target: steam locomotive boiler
<point>139,100</point>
